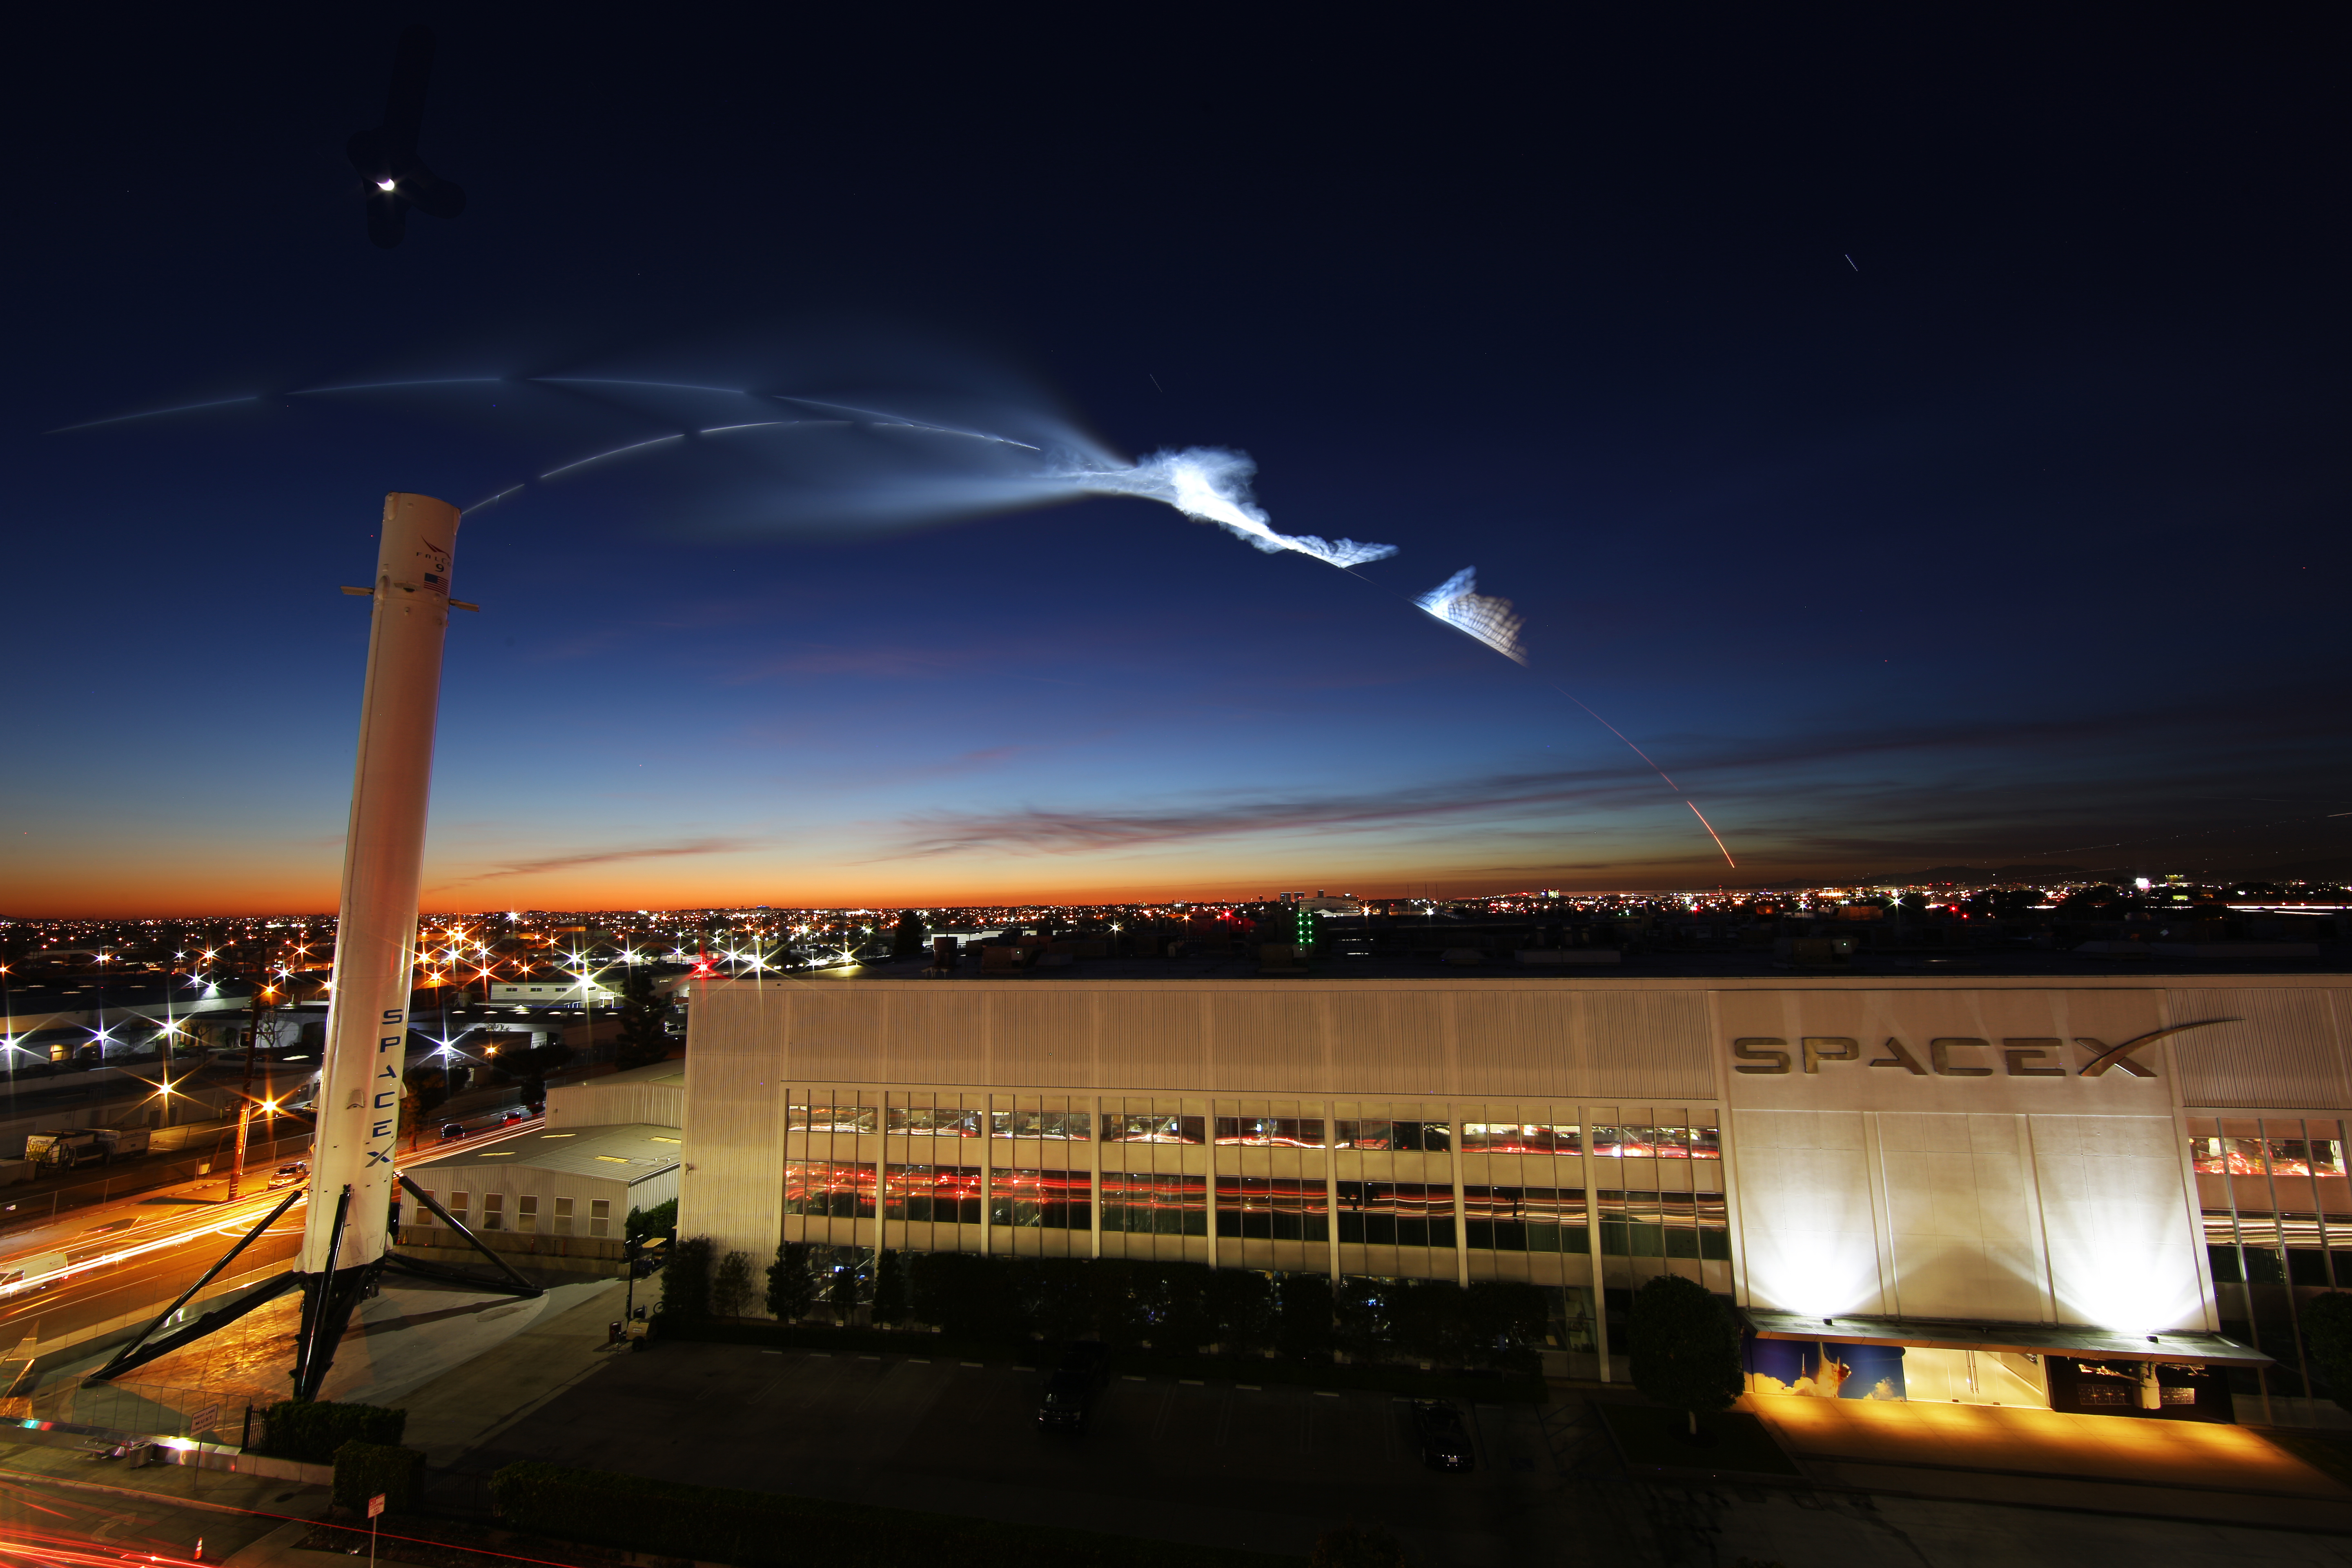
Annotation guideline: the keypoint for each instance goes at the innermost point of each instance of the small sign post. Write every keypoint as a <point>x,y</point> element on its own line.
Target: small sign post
<point>375,1507</point>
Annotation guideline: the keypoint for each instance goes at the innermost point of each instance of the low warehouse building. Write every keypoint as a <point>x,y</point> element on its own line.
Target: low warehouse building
<point>558,1199</point>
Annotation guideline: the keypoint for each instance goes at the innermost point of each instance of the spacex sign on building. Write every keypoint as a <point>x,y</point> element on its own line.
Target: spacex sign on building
<point>2094,1192</point>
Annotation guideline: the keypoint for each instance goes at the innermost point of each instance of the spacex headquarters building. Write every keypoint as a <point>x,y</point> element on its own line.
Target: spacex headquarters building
<point>2095,1193</point>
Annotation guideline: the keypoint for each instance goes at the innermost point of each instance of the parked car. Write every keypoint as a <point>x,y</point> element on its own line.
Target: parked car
<point>1444,1441</point>
<point>454,1129</point>
<point>1070,1388</point>
<point>288,1175</point>
<point>511,1116</point>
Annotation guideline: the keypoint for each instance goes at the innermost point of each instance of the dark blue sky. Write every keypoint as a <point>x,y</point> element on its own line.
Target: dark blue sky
<point>1925,440</point>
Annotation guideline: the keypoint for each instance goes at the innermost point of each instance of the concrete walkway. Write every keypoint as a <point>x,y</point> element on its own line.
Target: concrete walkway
<point>2047,1458</point>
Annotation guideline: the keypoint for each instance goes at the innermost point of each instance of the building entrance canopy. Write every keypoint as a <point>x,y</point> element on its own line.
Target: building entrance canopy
<point>2032,1338</point>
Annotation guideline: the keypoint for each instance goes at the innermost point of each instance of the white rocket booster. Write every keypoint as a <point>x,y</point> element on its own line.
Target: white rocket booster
<point>375,938</point>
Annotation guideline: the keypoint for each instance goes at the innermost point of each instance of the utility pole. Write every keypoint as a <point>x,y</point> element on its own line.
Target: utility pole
<point>236,1171</point>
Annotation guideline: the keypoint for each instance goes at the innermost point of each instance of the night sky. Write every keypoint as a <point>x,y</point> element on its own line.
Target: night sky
<point>1927,445</point>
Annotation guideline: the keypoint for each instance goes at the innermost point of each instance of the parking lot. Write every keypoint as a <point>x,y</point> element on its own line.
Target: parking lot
<point>1219,1463</point>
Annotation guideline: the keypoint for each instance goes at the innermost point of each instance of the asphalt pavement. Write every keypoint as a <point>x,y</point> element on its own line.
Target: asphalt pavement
<point>139,1252</point>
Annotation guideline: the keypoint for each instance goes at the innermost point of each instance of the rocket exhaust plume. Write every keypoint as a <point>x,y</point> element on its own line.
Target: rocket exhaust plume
<point>1457,603</point>
<point>1212,485</point>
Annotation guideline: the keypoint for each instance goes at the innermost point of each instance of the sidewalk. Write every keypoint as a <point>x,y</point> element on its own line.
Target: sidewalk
<point>2186,1470</point>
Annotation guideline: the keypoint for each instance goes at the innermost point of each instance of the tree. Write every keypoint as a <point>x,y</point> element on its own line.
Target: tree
<point>791,1291</point>
<point>658,1220</point>
<point>645,1009</point>
<point>907,940</point>
<point>1059,1306</point>
<point>1361,1311</point>
<point>429,1088</point>
<point>2328,1331</point>
<point>1243,1303</point>
<point>841,1291</point>
<point>1507,1321</point>
<point>1178,1296</point>
<point>730,1292</point>
<point>686,1282</point>
<point>890,1290</point>
<point>529,1067</point>
<point>1684,1347</point>
<point>1303,1318</point>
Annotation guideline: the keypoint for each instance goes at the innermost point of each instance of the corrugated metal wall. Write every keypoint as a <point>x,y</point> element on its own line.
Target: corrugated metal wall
<point>2282,1049</point>
<point>1210,1039</point>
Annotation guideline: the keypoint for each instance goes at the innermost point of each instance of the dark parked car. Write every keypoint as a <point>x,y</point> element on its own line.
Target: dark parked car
<point>1070,1389</point>
<point>1444,1442</point>
<point>454,1129</point>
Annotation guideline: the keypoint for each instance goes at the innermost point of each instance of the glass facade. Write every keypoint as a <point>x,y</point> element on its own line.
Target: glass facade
<point>931,1194</point>
<point>1585,1202</point>
<point>839,1189</point>
<point>1524,1219</point>
<point>2278,1230</point>
<point>1273,1208</point>
<point>1144,1203</point>
<point>1396,1214</point>
<point>1040,1199</point>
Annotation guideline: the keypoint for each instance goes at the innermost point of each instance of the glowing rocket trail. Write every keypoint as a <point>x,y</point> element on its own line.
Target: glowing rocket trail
<point>1703,822</point>
<point>1212,486</point>
<point>1495,621</point>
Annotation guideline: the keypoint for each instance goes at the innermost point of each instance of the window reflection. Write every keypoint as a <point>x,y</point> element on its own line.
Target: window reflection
<point>927,1122</point>
<point>1064,1126</point>
<point>1040,1199</point>
<point>830,1116</point>
<point>1524,1220</point>
<point>1434,1137</point>
<point>1397,1214</point>
<point>1153,1128</point>
<point>1272,1208</point>
<point>1271,1132</point>
<point>1152,1204</point>
<point>1643,1143</point>
<point>1521,1137</point>
<point>942,1195</point>
<point>840,1188</point>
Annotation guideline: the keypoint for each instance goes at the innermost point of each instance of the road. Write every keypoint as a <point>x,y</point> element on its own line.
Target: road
<point>138,1253</point>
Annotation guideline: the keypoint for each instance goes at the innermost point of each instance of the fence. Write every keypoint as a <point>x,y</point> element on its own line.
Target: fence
<point>33,1206</point>
<point>207,1415</point>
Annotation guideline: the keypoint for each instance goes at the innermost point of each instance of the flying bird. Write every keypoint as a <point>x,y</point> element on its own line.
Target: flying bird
<point>387,156</point>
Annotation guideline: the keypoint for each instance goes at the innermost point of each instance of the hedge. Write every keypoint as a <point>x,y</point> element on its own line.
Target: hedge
<point>765,1529</point>
<point>311,1430</point>
<point>364,1469</point>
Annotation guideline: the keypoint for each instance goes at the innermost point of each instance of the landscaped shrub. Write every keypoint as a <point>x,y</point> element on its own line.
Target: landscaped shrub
<point>686,1282</point>
<point>1303,1330</point>
<point>311,1430</point>
<point>364,1469</point>
<point>1177,1308</point>
<point>1240,1301</point>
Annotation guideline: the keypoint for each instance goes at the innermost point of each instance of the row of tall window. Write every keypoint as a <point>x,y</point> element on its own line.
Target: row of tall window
<point>1396,1214</point>
<point>1059,1122</point>
<point>563,1216</point>
<point>2277,1212</point>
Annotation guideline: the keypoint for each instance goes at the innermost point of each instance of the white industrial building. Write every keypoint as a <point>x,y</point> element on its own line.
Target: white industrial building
<point>553,1199</point>
<point>2100,1193</point>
